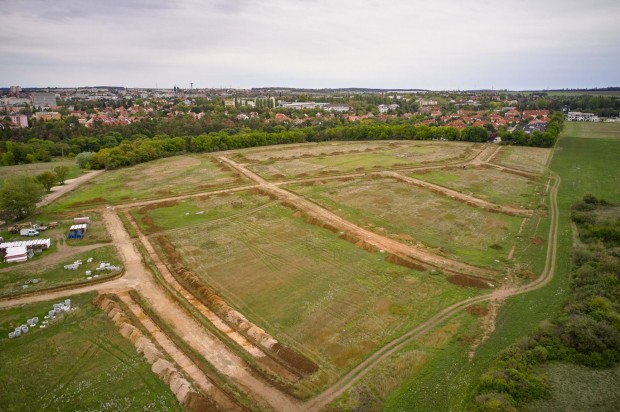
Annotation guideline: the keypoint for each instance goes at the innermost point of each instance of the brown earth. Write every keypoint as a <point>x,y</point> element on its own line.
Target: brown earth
<point>137,277</point>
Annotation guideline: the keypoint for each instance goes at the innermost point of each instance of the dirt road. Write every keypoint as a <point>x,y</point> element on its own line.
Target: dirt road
<point>351,378</point>
<point>138,277</point>
<point>389,245</point>
<point>470,200</point>
<point>69,185</point>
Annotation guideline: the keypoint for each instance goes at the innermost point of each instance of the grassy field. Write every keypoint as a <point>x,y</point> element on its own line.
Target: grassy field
<point>398,154</point>
<point>591,130</point>
<point>579,388</point>
<point>447,381</point>
<point>488,184</point>
<point>80,362</point>
<point>195,212</point>
<point>411,214</point>
<point>302,150</point>
<point>38,168</point>
<point>160,178</point>
<point>310,289</point>
<point>14,277</point>
<point>529,159</point>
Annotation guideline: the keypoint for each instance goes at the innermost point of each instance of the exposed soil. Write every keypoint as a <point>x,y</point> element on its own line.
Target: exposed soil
<point>405,262</point>
<point>317,213</point>
<point>477,310</point>
<point>470,281</point>
<point>229,364</point>
<point>234,319</point>
<point>536,240</point>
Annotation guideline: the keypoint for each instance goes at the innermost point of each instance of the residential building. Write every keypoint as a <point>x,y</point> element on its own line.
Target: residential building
<point>581,117</point>
<point>45,116</point>
<point>19,120</point>
<point>44,100</point>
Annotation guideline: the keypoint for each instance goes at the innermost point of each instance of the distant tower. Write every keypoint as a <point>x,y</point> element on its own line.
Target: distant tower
<point>191,86</point>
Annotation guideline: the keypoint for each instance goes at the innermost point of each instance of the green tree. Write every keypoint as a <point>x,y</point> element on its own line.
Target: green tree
<point>84,159</point>
<point>19,197</point>
<point>61,173</point>
<point>47,179</point>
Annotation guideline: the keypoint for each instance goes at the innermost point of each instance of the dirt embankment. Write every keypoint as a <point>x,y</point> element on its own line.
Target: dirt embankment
<point>167,372</point>
<point>326,217</point>
<point>288,357</point>
<point>453,194</point>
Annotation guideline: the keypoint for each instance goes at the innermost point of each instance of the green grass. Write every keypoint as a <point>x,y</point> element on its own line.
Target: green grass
<point>78,362</point>
<point>96,232</point>
<point>195,211</point>
<point>397,209</point>
<point>13,277</point>
<point>529,159</point>
<point>38,168</point>
<point>160,178</point>
<point>592,130</point>
<point>448,381</point>
<point>401,155</point>
<point>488,184</point>
<point>310,289</point>
<point>418,358</point>
<point>579,388</point>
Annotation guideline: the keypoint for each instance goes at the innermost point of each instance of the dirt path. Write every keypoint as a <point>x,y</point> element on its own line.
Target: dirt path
<point>223,358</point>
<point>351,378</point>
<point>389,245</point>
<point>211,316</point>
<point>179,357</point>
<point>69,185</point>
<point>470,200</point>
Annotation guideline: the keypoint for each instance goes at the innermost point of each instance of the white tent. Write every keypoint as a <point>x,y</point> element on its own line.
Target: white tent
<point>16,254</point>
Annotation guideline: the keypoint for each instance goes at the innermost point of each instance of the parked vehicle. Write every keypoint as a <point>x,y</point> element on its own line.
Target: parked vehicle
<point>28,232</point>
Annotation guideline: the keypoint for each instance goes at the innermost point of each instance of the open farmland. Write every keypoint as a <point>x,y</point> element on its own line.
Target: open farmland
<point>161,178</point>
<point>411,214</point>
<point>591,130</point>
<point>278,292</point>
<point>77,362</point>
<point>489,184</point>
<point>391,155</point>
<point>309,288</point>
<point>527,159</point>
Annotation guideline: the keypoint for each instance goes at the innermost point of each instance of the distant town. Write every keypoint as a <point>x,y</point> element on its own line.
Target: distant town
<point>20,108</point>
<point>39,124</point>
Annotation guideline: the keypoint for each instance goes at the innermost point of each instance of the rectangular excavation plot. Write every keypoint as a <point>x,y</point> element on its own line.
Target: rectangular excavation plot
<point>488,184</point>
<point>411,214</point>
<point>197,211</point>
<point>394,155</point>
<point>308,288</point>
<point>160,178</point>
<point>528,159</point>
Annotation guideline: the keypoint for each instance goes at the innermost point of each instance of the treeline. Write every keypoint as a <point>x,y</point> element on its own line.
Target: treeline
<point>603,106</point>
<point>588,330</point>
<point>137,151</point>
<point>117,149</point>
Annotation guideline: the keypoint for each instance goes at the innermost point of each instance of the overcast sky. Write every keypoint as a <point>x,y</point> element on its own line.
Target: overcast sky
<point>438,44</point>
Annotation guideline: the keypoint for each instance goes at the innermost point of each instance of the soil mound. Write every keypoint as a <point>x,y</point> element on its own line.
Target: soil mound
<point>469,281</point>
<point>405,262</point>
